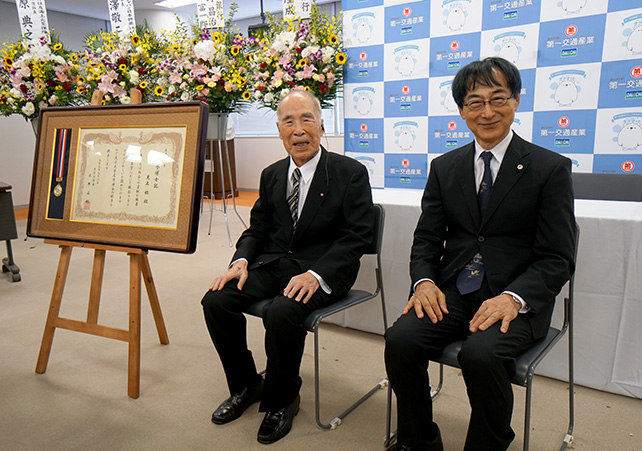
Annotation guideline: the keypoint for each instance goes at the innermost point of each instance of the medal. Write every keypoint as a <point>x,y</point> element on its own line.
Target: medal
<point>57,191</point>
<point>62,144</point>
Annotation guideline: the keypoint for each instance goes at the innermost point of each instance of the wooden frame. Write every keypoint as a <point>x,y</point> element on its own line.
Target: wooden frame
<point>127,175</point>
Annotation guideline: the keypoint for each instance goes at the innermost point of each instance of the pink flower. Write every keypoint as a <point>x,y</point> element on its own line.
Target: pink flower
<point>308,70</point>
<point>175,77</point>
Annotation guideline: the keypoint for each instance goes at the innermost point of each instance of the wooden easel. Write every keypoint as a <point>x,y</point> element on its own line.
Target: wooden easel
<point>138,264</point>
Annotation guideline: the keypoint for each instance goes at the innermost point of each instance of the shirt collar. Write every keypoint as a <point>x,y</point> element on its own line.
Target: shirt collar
<point>498,151</point>
<point>307,170</point>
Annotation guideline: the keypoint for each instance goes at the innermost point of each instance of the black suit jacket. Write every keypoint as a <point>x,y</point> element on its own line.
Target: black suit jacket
<point>334,228</point>
<point>526,237</point>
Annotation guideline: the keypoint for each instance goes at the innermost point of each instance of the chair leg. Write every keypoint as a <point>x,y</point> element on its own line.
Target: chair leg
<point>527,412</point>
<point>434,393</point>
<point>338,419</point>
<point>568,439</point>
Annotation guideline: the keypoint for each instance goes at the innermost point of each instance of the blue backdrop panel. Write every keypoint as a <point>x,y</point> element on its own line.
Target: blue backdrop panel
<point>581,67</point>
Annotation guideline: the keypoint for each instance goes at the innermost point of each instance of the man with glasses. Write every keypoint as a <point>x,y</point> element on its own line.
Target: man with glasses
<point>492,248</point>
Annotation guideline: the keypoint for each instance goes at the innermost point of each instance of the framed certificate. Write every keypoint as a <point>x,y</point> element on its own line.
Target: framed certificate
<point>126,175</point>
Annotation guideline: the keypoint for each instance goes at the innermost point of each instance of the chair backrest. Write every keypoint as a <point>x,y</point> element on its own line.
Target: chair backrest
<point>377,239</point>
<point>601,186</point>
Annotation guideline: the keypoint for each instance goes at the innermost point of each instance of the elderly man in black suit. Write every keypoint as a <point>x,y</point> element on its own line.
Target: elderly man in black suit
<point>492,248</point>
<point>310,226</point>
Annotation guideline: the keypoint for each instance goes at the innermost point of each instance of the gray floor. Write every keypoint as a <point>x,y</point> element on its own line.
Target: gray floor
<point>80,403</point>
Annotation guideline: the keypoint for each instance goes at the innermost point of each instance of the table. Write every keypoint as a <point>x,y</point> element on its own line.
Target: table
<point>608,290</point>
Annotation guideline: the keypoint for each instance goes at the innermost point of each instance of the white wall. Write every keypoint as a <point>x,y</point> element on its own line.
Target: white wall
<point>255,153</point>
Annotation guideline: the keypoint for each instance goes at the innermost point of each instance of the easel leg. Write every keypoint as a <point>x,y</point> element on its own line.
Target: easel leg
<point>96,286</point>
<point>153,300</point>
<point>54,309</point>
<point>133,383</point>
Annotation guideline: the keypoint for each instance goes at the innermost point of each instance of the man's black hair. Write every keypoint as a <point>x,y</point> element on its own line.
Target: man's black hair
<point>484,72</point>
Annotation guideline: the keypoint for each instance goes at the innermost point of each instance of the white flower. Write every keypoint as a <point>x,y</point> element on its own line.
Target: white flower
<point>185,96</point>
<point>133,77</point>
<point>15,92</point>
<point>42,104</point>
<point>309,51</point>
<point>28,109</point>
<point>284,92</point>
<point>284,41</point>
<point>52,100</point>
<point>327,53</point>
<point>205,50</point>
<point>269,97</point>
<point>125,100</point>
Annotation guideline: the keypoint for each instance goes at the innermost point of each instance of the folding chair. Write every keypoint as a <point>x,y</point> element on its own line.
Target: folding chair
<point>354,297</point>
<point>525,368</point>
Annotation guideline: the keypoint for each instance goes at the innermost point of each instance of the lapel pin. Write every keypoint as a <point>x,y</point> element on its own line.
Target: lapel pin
<point>520,167</point>
<point>321,194</point>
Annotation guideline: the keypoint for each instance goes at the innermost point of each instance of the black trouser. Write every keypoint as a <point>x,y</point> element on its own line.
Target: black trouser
<point>487,362</point>
<point>284,332</point>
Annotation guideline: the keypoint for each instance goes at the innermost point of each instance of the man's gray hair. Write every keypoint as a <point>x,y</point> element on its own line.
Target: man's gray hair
<point>315,101</point>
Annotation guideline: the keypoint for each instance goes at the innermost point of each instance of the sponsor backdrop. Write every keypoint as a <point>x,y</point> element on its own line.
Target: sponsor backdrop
<point>581,66</point>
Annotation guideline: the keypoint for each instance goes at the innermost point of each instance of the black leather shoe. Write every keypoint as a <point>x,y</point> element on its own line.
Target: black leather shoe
<point>234,406</point>
<point>276,425</point>
<point>435,445</point>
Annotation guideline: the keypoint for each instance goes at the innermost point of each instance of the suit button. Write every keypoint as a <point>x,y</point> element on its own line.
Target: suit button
<point>259,263</point>
<point>481,239</point>
<point>290,252</point>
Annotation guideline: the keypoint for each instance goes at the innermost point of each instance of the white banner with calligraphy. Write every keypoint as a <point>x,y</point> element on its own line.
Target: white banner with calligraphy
<point>121,16</point>
<point>293,9</point>
<point>32,15</point>
<point>210,13</point>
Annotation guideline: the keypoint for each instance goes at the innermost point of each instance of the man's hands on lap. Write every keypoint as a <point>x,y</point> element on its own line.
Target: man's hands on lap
<point>501,307</point>
<point>301,287</point>
<point>238,270</point>
<point>427,298</point>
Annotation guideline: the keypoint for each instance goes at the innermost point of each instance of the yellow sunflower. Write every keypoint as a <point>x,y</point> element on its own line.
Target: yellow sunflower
<point>80,79</point>
<point>333,39</point>
<point>57,46</point>
<point>341,58</point>
<point>142,85</point>
<point>302,62</point>
<point>217,37</point>
<point>80,89</point>
<point>195,41</point>
<point>246,95</point>
<point>122,67</point>
<point>158,90</point>
<point>199,87</point>
<point>175,47</point>
<point>135,39</point>
<point>73,57</point>
<point>235,50</point>
<point>8,61</point>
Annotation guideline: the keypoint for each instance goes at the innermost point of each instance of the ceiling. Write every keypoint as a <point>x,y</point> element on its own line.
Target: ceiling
<point>98,8</point>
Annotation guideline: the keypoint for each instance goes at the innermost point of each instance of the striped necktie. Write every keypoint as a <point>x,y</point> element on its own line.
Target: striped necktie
<point>293,198</point>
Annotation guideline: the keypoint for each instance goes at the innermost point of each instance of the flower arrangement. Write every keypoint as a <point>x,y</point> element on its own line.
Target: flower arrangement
<point>117,64</point>
<point>305,54</point>
<point>34,74</point>
<point>211,68</point>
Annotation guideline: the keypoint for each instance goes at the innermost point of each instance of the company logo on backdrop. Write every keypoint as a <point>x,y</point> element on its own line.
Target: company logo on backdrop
<point>455,13</point>
<point>627,128</point>
<point>509,45</point>
<point>628,166</point>
<point>405,134</point>
<point>406,59</point>
<point>362,26</point>
<point>632,32</point>
<point>564,42</point>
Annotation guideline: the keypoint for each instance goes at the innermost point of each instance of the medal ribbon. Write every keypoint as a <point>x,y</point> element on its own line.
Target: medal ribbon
<point>63,139</point>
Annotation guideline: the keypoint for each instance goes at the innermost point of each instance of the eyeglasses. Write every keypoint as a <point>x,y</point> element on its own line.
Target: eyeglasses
<point>495,102</point>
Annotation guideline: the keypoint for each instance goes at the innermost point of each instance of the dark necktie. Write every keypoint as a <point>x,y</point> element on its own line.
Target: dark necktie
<point>471,276</point>
<point>293,198</point>
<point>486,184</point>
